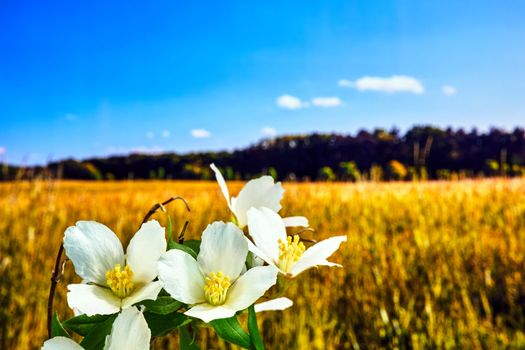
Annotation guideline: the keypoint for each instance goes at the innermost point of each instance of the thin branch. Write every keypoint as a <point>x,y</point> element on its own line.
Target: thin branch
<point>160,206</point>
<point>182,232</point>
<point>58,271</point>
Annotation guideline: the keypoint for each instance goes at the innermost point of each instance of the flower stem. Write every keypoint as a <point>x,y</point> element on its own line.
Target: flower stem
<point>282,283</point>
<point>55,278</point>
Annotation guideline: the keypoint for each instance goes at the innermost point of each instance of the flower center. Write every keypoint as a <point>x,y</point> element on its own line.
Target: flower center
<point>289,252</point>
<point>120,281</point>
<point>216,288</point>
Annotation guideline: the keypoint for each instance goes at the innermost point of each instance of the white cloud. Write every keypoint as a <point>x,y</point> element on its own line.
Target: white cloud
<point>268,131</point>
<point>291,102</point>
<point>113,150</point>
<point>150,135</point>
<point>166,133</point>
<point>345,83</point>
<point>449,90</point>
<point>147,150</point>
<point>326,101</point>
<point>200,133</point>
<point>3,151</point>
<point>395,83</point>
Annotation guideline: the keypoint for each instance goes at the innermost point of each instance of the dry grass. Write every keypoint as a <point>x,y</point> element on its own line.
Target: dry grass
<point>427,265</point>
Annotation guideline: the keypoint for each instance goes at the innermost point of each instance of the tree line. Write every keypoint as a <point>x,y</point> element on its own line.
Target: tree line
<point>423,152</point>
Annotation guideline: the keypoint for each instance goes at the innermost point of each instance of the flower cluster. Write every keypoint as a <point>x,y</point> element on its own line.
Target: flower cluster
<point>159,286</point>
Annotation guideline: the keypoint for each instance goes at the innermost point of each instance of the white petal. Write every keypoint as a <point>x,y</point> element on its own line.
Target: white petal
<point>260,254</point>
<point>181,276</point>
<point>317,254</point>
<point>256,260</point>
<point>94,249</point>
<point>144,250</point>
<point>223,248</point>
<point>146,292</point>
<point>266,228</point>
<point>92,300</point>
<point>250,287</point>
<point>222,184</point>
<point>274,304</point>
<point>129,331</point>
<point>294,221</point>
<point>208,313</point>
<point>261,192</point>
<point>61,343</point>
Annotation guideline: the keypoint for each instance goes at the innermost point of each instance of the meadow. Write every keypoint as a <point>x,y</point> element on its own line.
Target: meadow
<point>430,265</point>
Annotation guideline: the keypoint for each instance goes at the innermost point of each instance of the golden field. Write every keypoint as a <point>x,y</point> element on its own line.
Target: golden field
<point>427,265</point>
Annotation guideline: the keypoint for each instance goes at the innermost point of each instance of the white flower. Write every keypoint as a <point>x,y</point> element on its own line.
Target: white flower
<point>260,192</point>
<point>61,343</point>
<point>284,252</point>
<point>213,284</point>
<point>111,280</point>
<point>129,331</point>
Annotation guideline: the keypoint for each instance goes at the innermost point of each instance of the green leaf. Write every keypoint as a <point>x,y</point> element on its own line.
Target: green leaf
<point>249,260</point>
<point>185,248</point>
<point>57,329</point>
<point>194,244</point>
<point>230,330</point>
<point>170,232</point>
<point>255,336</point>
<point>186,340</point>
<point>95,339</point>
<point>84,324</point>
<point>161,325</point>
<point>170,235</point>
<point>163,305</point>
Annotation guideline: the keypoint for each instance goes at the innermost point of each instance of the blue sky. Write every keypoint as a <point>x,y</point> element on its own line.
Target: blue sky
<point>98,78</point>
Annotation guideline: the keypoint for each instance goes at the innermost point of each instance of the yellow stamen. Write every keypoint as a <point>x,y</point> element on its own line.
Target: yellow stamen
<point>289,252</point>
<point>120,281</point>
<point>216,288</point>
